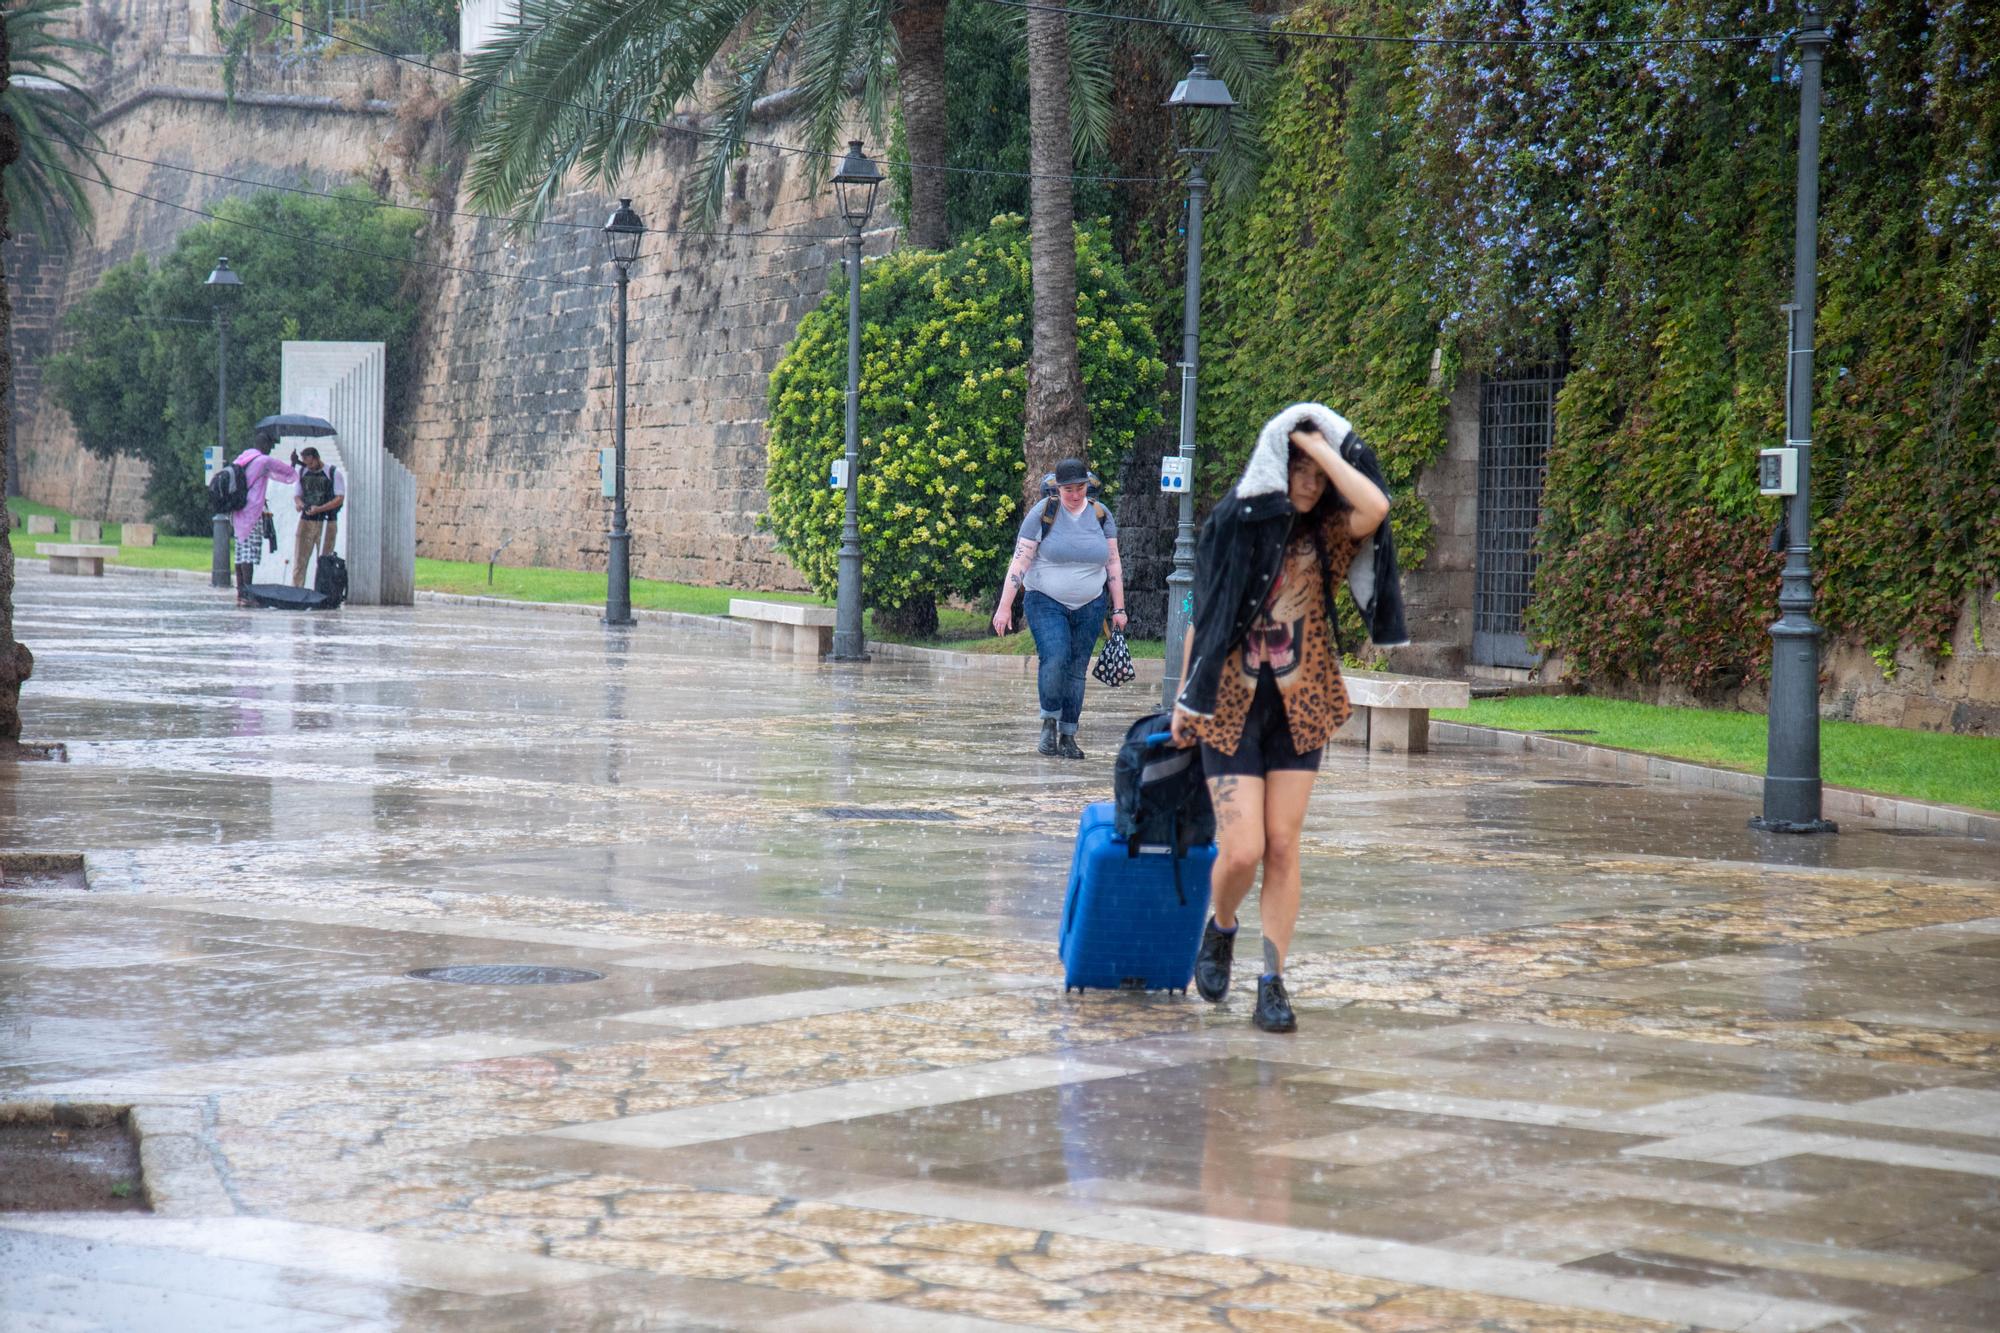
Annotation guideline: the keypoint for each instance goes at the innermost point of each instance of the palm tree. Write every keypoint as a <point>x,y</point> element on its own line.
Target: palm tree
<point>43,123</point>
<point>1058,422</point>
<point>1069,113</point>
<point>50,115</point>
<point>584,83</point>
<point>15,660</point>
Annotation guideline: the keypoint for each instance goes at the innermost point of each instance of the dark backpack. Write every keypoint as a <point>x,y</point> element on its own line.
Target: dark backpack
<point>229,488</point>
<point>1161,793</point>
<point>1052,504</point>
<point>330,580</point>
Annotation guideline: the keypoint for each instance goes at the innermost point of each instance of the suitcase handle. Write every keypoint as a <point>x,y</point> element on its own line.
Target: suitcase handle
<point>1160,738</point>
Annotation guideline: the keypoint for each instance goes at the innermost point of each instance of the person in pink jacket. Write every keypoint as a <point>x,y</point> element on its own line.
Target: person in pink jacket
<point>258,468</point>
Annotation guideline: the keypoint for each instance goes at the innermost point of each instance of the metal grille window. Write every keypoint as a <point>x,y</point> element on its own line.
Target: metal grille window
<point>1516,426</point>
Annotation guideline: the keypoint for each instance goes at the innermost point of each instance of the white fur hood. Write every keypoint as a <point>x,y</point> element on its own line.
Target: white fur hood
<point>1268,470</point>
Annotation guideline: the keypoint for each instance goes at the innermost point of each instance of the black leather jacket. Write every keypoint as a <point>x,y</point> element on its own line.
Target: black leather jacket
<point>1241,549</point>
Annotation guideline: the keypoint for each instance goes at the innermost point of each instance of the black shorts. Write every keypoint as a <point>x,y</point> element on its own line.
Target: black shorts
<point>1266,746</point>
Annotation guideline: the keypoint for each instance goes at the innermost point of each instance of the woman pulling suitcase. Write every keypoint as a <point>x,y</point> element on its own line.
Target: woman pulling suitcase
<point>1261,689</point>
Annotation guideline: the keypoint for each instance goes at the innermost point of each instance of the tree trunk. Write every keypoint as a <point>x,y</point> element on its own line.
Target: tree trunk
<point>1058,421</point>
<point>916,618</point>
<point>15,660</point>
<point>920,82</point>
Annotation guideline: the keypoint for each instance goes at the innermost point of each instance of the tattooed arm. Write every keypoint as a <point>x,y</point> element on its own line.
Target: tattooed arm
<point>1017,574</point>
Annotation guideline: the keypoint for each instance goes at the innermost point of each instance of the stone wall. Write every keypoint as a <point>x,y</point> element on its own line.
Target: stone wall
<point>512,391</point>
<point>1437,595</point>
<point>322,124</point>
<point>508,397</point>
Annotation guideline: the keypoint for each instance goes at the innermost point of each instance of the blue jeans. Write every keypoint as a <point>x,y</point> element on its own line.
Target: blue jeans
<point>1063,640</point>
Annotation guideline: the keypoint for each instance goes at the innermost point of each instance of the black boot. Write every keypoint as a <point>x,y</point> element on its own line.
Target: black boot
<point>1274,1007</point>
<point>1211,965</point>
<point>1066,747</point>
<point>1048,745</point>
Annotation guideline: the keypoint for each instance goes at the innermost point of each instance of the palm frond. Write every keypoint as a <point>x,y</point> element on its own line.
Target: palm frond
<point>45,186</point>
<point>1090,93</point>
<point>1239,59</point>
<point>581,84</point>
<point>828,63</point>
<point>752,71</point>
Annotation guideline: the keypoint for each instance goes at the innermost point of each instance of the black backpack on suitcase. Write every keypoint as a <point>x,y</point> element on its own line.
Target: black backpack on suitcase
<point>330,579</point>
<point>1162,794</point>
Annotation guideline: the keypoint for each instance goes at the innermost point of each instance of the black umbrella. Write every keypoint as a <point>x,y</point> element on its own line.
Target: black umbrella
<point>279,597</point>
<point>295,423</point>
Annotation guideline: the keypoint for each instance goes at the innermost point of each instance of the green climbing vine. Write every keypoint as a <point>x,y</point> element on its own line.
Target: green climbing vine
<point>1627,212</point>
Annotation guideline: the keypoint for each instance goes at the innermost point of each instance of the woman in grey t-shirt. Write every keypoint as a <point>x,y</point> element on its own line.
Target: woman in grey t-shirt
<point>1067,559</point>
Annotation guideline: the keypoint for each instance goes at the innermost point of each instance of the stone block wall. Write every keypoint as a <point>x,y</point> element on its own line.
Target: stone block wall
<point>322,125</point>
<point>1437,595</point>
<point>513,385</point>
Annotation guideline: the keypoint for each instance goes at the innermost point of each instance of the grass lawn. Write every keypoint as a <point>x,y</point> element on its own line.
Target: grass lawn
<point>963,631</point>
<point>1926,766</point>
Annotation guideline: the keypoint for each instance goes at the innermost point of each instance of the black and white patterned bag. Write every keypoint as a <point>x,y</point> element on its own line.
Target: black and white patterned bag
<point>1114,664</point>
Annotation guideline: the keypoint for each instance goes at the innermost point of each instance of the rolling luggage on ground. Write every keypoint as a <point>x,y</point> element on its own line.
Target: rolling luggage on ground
<point>1125,925</point>
<point>330,579</point>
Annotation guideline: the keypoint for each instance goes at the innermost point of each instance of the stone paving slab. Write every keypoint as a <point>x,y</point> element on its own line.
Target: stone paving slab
<point>1572,1057</point>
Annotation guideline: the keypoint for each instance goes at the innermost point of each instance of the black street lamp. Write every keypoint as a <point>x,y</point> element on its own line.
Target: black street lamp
<point>855,184</point>
<point>1200,107</point>
<point>622,232</point>
<point>223,287</point>
<point>1791,766</point>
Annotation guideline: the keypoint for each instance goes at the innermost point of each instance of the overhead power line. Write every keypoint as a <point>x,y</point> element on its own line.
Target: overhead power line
<point>1385,39</point>
<point>336,245</point>
<point>770,234</point>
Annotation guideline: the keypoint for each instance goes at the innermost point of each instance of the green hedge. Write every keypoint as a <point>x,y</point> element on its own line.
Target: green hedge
<point>943,374</point>
<point>1628,213</point>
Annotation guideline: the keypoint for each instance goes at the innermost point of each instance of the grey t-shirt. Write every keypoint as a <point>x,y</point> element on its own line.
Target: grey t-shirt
<point>1070,565</point>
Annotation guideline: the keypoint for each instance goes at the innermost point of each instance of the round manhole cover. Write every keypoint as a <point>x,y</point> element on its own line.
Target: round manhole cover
<point>505,974</point>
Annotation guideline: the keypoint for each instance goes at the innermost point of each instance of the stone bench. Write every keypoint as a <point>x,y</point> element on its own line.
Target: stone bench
<point>137,534</point>
<point>86,529</point>
<point>1393,713</point>
<point>73,558</point>
<point>805,631</point>
<point>43,525</point>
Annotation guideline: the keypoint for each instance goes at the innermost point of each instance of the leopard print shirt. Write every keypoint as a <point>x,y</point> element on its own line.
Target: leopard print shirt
<point>1293,637</point>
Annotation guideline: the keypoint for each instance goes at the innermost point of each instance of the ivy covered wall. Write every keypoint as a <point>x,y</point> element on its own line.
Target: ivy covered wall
<point>1628,213</point>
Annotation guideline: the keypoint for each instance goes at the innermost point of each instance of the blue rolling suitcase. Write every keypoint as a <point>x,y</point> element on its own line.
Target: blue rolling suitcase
<point>1124,927</point>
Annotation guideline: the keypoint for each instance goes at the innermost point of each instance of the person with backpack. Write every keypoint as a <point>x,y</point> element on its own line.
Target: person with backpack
<point>239,491</point>
<point>321,495</point>
<point>1066,560</point>
<point>1261,690</point>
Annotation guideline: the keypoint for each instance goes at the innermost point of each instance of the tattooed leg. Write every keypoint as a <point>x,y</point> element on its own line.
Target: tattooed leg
<point>1239,842</point>
<point>1283,813</point>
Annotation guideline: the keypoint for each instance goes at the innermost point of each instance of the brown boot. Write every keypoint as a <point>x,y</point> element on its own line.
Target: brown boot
<point>243,585</point>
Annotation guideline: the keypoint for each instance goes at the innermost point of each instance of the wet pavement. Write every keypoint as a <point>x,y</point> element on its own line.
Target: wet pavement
<point>1574,1053</point>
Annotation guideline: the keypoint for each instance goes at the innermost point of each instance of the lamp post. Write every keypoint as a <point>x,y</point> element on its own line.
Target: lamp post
<point>223,285</point>
<point>623,233</point>
<point>1198,98</point>
<point>1791,770</point>
<point>855,184</point>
